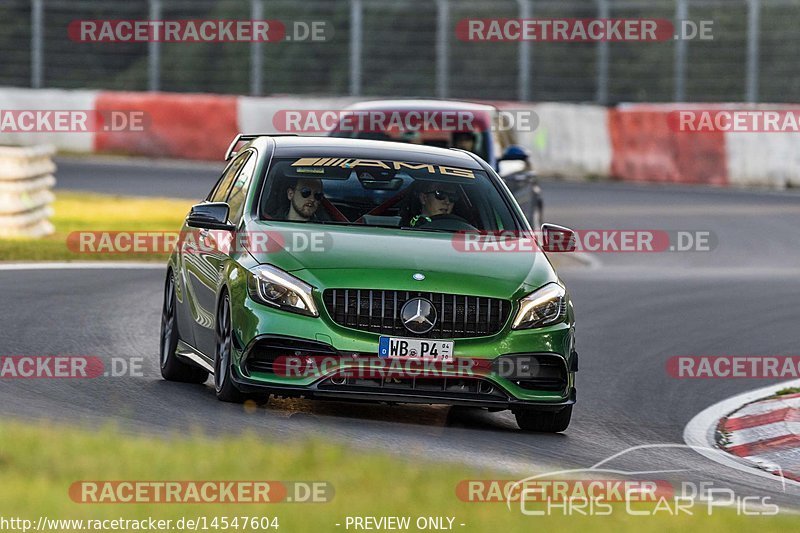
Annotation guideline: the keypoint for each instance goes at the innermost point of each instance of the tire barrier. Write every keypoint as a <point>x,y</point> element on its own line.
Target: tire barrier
<point>26,180</point>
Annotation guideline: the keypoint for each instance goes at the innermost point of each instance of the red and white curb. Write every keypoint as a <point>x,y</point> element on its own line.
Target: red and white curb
<point>752,432</point>
<point>767,433</point>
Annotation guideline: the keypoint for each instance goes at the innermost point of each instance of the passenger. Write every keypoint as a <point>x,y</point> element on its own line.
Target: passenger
<point>435,199</point>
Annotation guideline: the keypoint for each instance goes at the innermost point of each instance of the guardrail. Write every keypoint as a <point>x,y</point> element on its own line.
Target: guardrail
<point>26,180</point>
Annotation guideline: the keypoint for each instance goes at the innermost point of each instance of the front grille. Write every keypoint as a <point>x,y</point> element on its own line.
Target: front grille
<point>378,311</point>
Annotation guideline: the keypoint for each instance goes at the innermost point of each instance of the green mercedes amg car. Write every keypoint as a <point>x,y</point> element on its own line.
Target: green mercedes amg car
<point>362,270</point>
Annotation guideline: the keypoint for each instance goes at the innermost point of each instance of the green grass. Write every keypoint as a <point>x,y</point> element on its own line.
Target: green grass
<point>89,212</point>
<point>96,212</point>
<point>788,390</point>
<point>39,462</point>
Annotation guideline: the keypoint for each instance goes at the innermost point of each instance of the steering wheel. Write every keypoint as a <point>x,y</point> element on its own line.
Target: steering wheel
<point>449,222</point>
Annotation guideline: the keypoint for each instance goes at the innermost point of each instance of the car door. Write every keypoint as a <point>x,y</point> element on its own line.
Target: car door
<point>216,249</point>
<point>201,258</point>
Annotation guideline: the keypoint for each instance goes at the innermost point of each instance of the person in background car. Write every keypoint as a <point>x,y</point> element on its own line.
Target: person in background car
<point>464,141</point>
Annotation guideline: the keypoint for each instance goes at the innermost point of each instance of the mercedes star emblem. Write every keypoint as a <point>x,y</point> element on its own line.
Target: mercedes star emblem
<point>418,315</point>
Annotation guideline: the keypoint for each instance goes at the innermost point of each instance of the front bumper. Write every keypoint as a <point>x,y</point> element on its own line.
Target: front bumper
<point>386,391</point>
<point>290,366</point>
<point>303,336</point>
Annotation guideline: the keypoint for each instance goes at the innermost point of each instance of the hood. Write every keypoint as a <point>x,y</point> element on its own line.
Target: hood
<point>368,257</point>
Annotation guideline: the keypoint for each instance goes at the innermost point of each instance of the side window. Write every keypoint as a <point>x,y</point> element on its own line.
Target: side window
<point>241,185</point>
<point>224,185</point>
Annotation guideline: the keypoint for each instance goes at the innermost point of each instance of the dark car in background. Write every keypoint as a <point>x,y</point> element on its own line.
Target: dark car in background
<point>485,137</point>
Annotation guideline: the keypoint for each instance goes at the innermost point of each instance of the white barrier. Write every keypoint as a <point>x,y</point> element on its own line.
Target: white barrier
<point>26,180</point>
<point>571,141</point>
<point>763,159</point>
<point>256,115</point>
<point>50,100</point>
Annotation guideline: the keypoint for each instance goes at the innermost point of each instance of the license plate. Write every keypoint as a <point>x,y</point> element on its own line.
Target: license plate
<point>391,347</point>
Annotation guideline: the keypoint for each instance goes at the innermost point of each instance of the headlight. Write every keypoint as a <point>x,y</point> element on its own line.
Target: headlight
<point>272,286</point>
<point>543,307</point>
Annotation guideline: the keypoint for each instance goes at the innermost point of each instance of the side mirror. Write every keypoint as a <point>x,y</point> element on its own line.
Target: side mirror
<point>213,215</point>
<point>515,152</point>
<point>558,239</point>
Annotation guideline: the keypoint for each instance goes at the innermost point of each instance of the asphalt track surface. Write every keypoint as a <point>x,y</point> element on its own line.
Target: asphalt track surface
<point>634,312</point>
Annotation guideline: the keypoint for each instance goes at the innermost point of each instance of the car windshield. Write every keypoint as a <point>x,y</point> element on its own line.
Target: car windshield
<point>384,193</point>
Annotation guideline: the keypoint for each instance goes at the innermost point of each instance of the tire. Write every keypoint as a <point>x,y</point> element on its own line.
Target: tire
<point>172,368</point>
<point>544,421</point>
<point>223,384</point>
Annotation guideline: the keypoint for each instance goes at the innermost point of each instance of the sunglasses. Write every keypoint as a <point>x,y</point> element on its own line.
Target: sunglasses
<point>441,195</point>
<point>305,192</point>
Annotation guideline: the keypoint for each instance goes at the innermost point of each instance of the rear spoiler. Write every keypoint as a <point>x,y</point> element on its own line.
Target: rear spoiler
<point>246,137</point>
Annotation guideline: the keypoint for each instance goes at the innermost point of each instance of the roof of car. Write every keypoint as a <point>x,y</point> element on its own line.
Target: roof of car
<point>421,105</point>
<point>290,146</point>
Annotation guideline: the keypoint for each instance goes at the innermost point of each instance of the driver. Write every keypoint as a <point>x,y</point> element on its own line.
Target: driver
<point>305,197</point>
<point>436,199</point>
